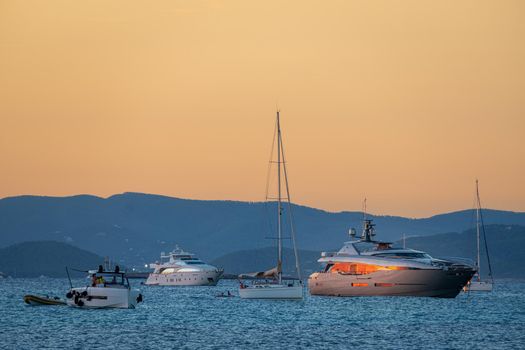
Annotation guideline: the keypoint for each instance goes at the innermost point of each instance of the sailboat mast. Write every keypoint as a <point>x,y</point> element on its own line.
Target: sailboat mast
<point>290,215</point>
<point>477,230</point>
<point>279,228</point>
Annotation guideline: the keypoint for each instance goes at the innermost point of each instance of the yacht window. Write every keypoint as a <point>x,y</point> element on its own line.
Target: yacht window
<point>404,255</point>
<point>352,268</point>
<point>384,284</point>
<point>359,284</point>
<point>194,263</point>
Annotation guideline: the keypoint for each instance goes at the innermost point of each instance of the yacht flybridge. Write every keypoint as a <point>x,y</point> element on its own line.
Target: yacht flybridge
<point>273,285</point>
<point>367,267</point>
<point>180,268</point>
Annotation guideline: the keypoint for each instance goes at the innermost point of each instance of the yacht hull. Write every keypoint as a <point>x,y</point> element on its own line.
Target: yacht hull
<point>272,291</point>
<point>204,278</point>
<point>418,282</point>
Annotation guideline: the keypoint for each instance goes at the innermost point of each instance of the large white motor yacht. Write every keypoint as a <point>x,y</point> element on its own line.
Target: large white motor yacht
<point>180,268</point>
<point>367,267</point>
<point>105,290</point>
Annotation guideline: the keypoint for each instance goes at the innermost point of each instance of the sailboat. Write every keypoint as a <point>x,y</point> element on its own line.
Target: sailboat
<point>274,286</point>
<point>477,284</point>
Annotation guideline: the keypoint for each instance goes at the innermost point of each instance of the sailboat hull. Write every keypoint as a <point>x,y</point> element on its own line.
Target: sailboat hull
<point>479,286</point>
<point>419,283</point>
<point>272,291</point>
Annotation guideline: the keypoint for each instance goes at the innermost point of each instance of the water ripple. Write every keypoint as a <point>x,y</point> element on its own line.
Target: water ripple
<point>192,317</point>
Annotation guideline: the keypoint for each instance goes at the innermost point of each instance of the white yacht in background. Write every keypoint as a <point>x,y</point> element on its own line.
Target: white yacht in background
<point>476,284</point>
<point>180,268</point>
<point>273,285</point>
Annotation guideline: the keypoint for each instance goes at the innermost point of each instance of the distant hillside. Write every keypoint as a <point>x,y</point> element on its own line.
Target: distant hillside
<point>48,258</point>
<point>263,259</point>
<point>134,228</point>
<point>506,247</point>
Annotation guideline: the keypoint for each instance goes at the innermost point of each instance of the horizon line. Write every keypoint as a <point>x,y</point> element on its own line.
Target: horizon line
<point>247,201</point>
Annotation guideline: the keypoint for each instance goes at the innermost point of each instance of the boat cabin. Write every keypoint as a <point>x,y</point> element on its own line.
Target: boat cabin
<point>108,279</point>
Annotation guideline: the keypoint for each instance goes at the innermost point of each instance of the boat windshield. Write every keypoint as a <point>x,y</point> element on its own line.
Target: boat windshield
<point>111,279</point>
<point>364,247</point>
<point>404,255</point>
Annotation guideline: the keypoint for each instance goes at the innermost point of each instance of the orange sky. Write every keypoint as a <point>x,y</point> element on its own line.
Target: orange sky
<point>404,102</point>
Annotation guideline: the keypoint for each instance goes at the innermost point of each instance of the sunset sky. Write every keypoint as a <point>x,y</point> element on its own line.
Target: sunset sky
<point>402,102</point>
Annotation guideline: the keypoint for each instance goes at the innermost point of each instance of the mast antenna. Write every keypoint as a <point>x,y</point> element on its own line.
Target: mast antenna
<point>290,214</point>
<point>364,218</point>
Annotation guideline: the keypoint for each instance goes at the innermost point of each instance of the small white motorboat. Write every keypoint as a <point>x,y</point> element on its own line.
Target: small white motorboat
<point>106,290</point>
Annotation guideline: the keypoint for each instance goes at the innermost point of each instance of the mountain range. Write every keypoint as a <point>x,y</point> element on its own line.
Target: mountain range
<point>506,250</point>
<point>47,258</point>
<point>134,228</point>
<point>505,242</point>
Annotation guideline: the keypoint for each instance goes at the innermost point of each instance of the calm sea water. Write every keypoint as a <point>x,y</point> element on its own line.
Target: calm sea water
<point>193,317</point>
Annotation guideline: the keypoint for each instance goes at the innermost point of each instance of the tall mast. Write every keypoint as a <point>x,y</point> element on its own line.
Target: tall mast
<point>477,230</point>
<point>279,229</point>
<point>364,219</point>
<point>290,215</point>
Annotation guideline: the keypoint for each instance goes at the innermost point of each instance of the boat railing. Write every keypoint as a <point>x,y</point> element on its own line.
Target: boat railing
<point>328,254</point>
<point>458,260</point>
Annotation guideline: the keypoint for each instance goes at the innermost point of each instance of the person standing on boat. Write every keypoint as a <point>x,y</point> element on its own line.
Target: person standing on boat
<point>101,281</point>
<point>93,280</point>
